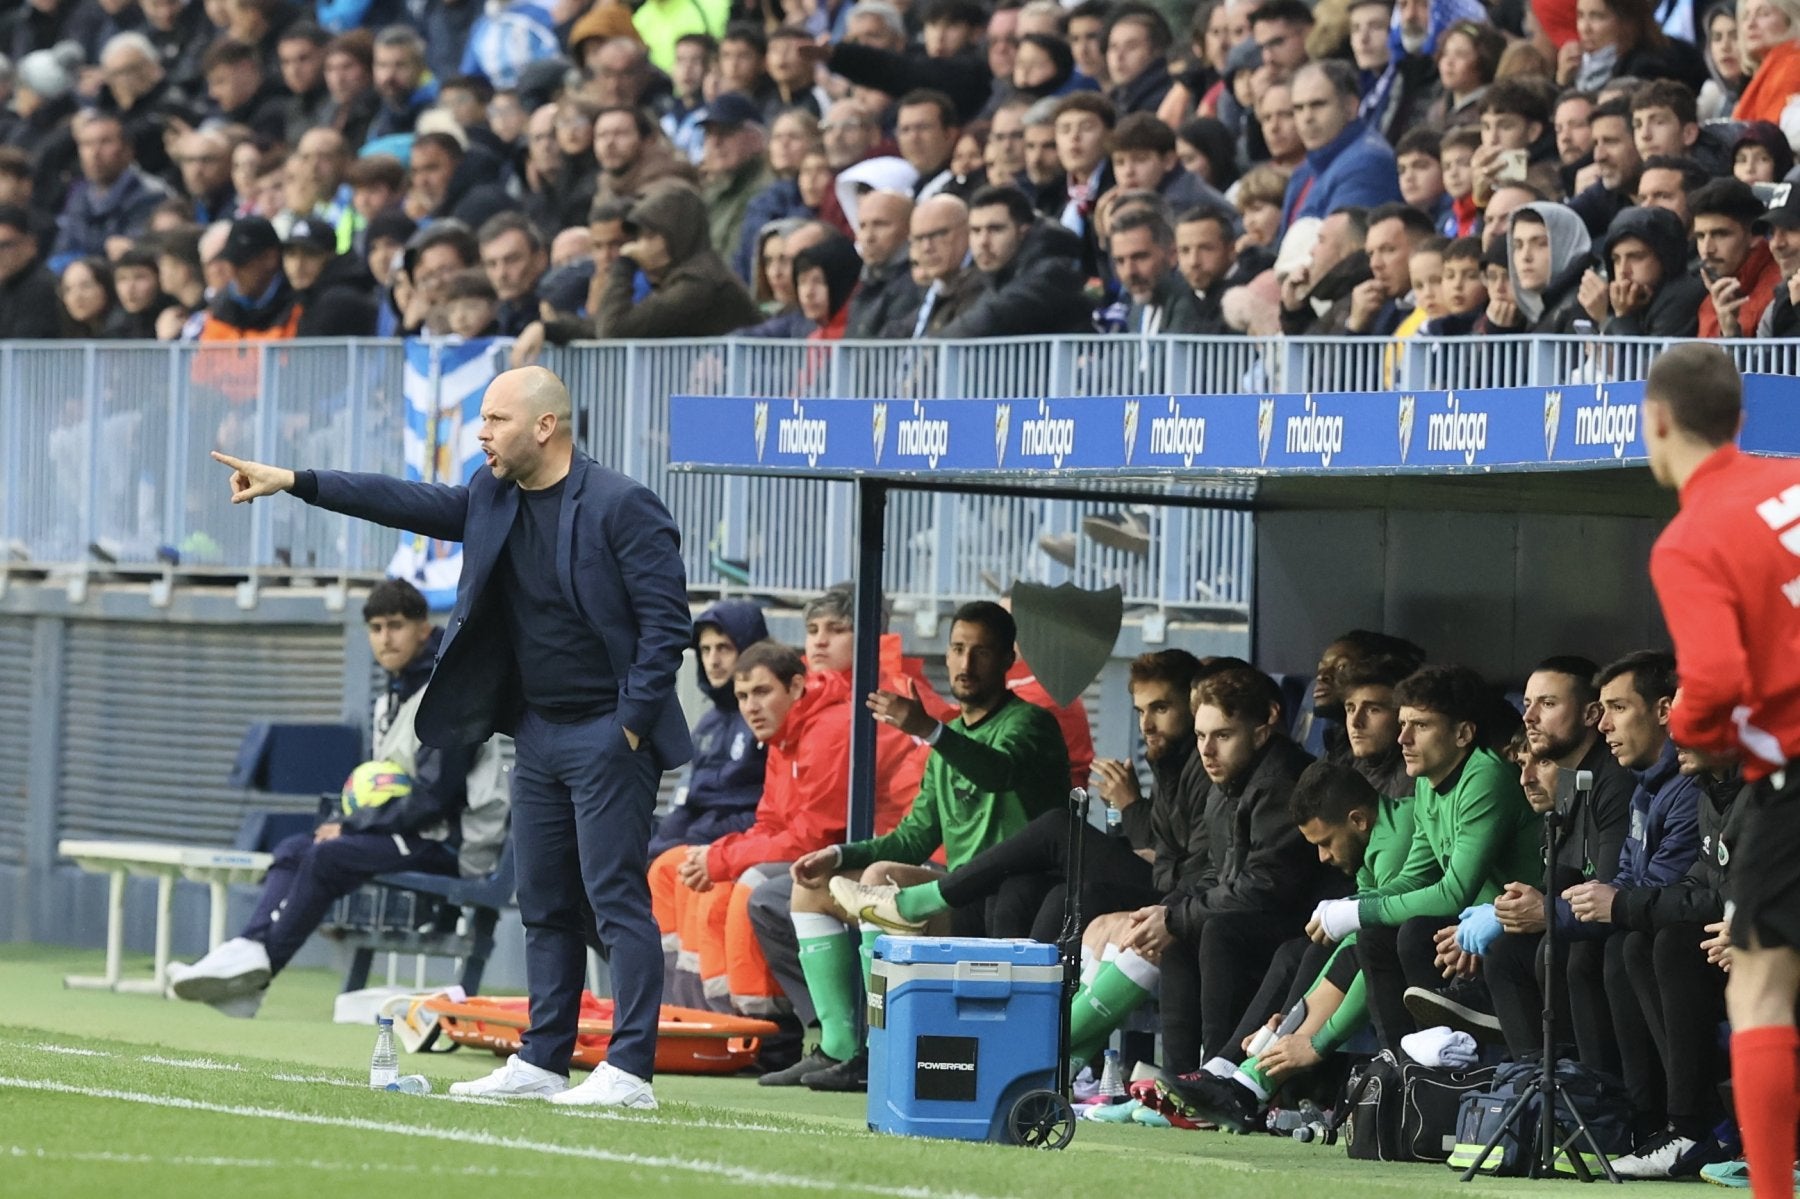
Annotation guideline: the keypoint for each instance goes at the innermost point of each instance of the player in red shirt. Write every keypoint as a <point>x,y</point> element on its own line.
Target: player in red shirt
<point>1727,573</point>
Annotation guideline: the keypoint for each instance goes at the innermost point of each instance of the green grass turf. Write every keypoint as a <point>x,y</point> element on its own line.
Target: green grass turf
<point>273,1107</point>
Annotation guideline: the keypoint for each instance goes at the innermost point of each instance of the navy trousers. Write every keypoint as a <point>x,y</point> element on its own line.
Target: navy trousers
<point>308,876</point>
<point>582,802</point>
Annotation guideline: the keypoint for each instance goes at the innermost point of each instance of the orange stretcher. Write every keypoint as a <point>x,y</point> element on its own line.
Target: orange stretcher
<point>688,1040</point>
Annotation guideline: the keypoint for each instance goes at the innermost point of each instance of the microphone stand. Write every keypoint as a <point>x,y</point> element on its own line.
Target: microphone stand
<point>1543,1089</point>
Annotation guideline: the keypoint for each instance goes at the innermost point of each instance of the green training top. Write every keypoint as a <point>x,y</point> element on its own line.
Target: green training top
<point>1469,840</point>
<point>982,784</point>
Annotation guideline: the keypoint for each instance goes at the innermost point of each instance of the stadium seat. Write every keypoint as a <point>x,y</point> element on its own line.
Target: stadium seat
<point>297,759</point>
<point>438,915</point>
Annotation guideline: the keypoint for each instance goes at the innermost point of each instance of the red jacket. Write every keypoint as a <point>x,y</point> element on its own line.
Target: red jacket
<point>1757,278</point>
<point>1727,572</point>
<point>1073,720</point>
<point>806,785</point>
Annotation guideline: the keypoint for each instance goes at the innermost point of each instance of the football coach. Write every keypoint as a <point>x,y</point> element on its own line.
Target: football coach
<point>570,622</point>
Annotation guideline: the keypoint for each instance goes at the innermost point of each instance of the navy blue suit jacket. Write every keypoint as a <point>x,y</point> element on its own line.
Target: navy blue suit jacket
<point>618,560</point>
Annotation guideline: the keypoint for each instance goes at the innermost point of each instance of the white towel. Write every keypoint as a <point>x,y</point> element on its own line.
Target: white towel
<point>1440,1047</point>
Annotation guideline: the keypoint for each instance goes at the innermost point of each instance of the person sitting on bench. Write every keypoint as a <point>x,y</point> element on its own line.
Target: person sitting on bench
<point>451,818</point>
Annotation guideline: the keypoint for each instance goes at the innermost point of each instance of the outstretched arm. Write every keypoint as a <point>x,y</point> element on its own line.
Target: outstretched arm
<point>432,509</point>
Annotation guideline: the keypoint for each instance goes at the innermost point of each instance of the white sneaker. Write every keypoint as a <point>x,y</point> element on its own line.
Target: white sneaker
<point>609,1086</point>
<point>1655,1160</point>
<point>238,967</point>
<point>517,1079</point>
<point>871,903</point>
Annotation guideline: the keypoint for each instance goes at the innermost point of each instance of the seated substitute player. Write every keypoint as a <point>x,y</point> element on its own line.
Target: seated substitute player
<point>1472,834</point>
<point>452,818</point>
<point>993,768</point>
<point>725,779</point>
<point>1367,836</point>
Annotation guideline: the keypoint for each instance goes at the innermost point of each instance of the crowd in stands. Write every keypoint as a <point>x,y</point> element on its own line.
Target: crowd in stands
<point>554,171</point>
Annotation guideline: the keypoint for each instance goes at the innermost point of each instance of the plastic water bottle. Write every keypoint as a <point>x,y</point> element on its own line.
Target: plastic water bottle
<point>411,1084</point>
<point>1112,1082</point>
<point>1114,818</point>
<point>384,1063</point>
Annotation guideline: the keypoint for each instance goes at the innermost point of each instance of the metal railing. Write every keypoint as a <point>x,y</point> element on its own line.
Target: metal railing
<point>103,449</point>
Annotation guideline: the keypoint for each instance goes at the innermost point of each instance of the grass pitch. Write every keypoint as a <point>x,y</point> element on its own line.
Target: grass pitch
<point>131,1096</point>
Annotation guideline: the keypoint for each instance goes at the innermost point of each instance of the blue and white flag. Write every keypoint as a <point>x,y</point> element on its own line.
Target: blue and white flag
<point>443,386</point>
<point>509,36</point>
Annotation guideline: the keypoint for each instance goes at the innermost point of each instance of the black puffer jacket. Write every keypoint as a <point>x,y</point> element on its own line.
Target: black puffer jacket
<point>1257,859</point>
<point>1177,815</point>
<point>1039,291</point>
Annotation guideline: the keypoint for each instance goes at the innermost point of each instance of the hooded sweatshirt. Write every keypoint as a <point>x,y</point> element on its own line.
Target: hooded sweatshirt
<point>697,296</point>
<point>727,772</point>
<point>1675,308</point>
<point>1570,247</point>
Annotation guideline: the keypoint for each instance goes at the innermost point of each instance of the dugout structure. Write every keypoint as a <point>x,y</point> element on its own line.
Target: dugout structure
<point>1493,526</point>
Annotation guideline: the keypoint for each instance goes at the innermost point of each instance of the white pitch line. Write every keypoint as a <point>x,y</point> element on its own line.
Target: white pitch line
<point>476,1137</point>
<point>71,1050</point>
<point>190,1063</point>
<point>102,1157</point>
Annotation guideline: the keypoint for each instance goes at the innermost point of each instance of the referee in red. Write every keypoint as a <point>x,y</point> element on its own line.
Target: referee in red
<point>1727,573</point>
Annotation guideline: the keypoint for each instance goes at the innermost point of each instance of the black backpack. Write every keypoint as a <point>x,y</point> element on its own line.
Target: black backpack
<point>1599,1097</point>
<point>1396,1110</point>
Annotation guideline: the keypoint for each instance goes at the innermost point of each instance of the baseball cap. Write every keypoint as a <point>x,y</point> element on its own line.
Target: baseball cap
<point>1783,201</point>
<point>249,237</point>
<point>733,110</point>
<point>309,233</point>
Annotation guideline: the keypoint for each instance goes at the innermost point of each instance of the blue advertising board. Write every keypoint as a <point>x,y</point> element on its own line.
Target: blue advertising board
<point>1473,431</point>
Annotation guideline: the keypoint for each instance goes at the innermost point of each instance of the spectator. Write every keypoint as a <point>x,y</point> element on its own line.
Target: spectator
<point>1622,38</point>
<point>613,61</point>
<point>352,102</point>
<point>791,70</point>
<point>1571,122</point>
<point>662,23</point>
<point>1086,36</point>
<point>301,51</point>
<point>1042,66</point>
<point>30,307</point>
<point>137,286</point>
<point>786,321</point>
<point>1083,123</point>
<point>375,186</point>
<point>872,58</point>
<point>1045,182</point>
<point>470,305</point>
<point>1456,165</point>
<point>1740,272</point>
<point>887,294</point>
<point>938,243</point>
<point>1206,150</point>
<point>204,157</point>
<point>1419,155</point>
<point>1468,56</point>
<point>794,133</point>
<point>696,56</point>
<point>1549,256</point>
<point>179,271</point>
<point>824,276</point>
<point>742,69</point>
<point>138,91</point>
<point>1607,188</point>
<point>111,204</point>
<point>1514,118</point>
<point>44,98</point>
<point>733,167</point>
<point>89,305</point>
<point>512,254</point>
<point>1647,291</point>
<point>1761,154</point>
<point>1143,158</point>
<point>1781,225</point>
<point>1205,253</point>
<point>1346,162</point>
<point>1280,29</point>
<point>1724,61</point>
<point>1142,246</point>
<point>180,32</point>
<point>400,81</point>
<point>448,181</point>
<point>1664,121</point>
<point>506,37</point>
<point>926,131</point>
<point>631,157</point>
<point>1028,265</point>
<point>1137,63</point>
<point>330,288</point>
<point>257,304</point>
<point>693,293</point>
<point>431,258</point>
<point>240,92</point>
<point>1395,233</point>
<point>1316,297</point>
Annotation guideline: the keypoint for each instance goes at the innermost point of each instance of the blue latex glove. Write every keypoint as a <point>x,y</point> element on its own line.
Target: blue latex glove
<point>1478,928</point>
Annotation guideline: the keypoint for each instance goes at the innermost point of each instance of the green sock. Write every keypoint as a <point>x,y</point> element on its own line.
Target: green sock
<point>867,952</point>
<point>830,972</point>
<point>1099,1009</point>
<point>1264,1087</point>
<point>921,902</point>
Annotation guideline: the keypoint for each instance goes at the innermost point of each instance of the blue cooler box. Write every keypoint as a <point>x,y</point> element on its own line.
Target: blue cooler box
<point>959,1028</point>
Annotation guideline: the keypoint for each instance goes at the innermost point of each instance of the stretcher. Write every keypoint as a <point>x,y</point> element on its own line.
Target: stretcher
<point>688,1041</point>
